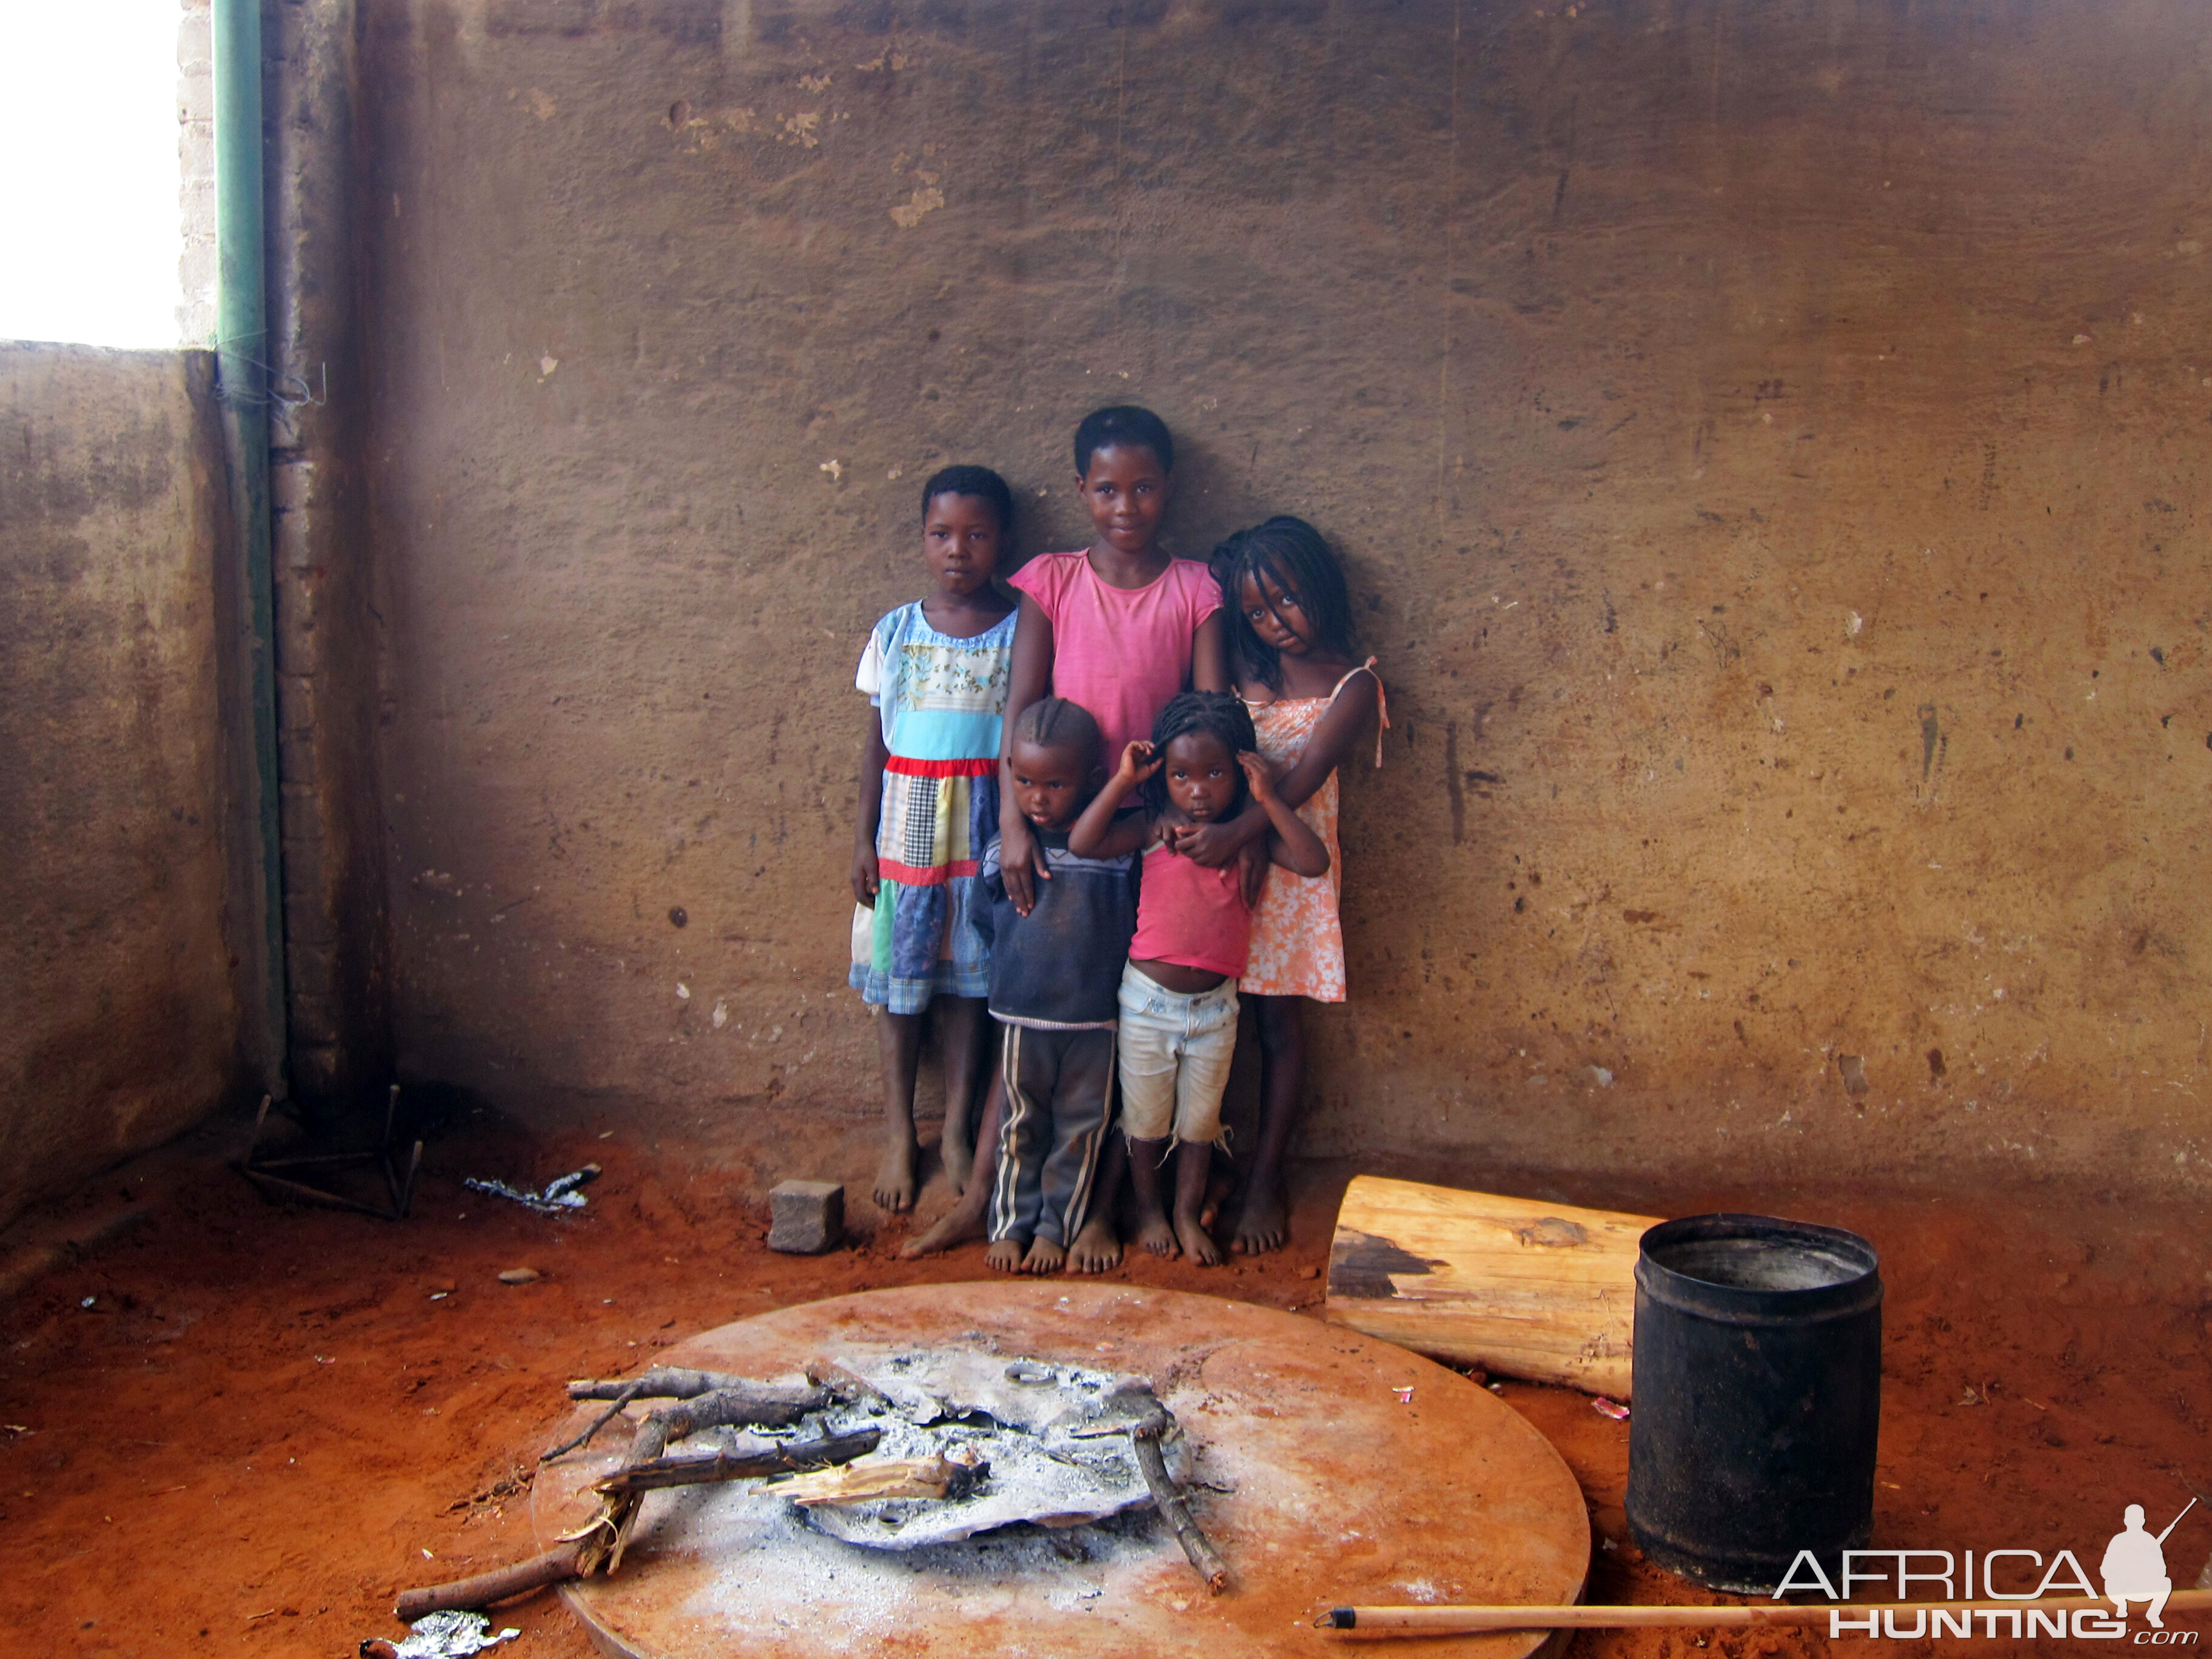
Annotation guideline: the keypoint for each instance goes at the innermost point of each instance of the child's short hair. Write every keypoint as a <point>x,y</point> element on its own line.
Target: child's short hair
<point>1128,425</point>
<point>1056,723</point>
<point>1210,713</point>
<point>1292,554</point>
<point>979,481</point>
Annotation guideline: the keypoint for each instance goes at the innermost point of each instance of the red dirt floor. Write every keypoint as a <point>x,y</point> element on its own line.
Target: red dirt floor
<point>263,1426</point>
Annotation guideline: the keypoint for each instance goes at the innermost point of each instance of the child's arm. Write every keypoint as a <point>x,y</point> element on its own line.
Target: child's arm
<point>1341,724</point>
<point>1209,656</point>
<point>874,757</point>
<point>1345,722</point>
<point>1096,836</point>
<point>1292,845</point>
<point>1027,679</point>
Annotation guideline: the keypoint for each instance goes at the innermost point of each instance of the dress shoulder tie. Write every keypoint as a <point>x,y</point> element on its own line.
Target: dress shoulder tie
<point>1381,701</point>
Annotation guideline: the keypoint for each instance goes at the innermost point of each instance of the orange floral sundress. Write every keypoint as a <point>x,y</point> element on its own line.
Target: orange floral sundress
<point>1297,941</point>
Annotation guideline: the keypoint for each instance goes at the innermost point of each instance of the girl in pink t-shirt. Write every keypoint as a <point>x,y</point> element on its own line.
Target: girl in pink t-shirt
<point>1120,628</point>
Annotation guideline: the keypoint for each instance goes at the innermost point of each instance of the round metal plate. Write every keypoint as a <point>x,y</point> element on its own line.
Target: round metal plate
<point>1330,1469</point>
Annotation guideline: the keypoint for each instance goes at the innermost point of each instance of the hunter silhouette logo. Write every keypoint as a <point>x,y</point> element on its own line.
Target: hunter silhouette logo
<point>1973,1593</point>
<point>2133,1568</point>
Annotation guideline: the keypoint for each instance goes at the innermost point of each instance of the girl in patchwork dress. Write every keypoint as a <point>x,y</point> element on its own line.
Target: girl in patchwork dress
<point>1311,699</point>
<point>936,672</point>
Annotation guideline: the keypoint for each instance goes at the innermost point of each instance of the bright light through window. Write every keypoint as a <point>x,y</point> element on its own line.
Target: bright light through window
<point>91,191</point>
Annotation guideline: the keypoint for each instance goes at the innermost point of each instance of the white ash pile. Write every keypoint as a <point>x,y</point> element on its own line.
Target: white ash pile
<point>1002,1440</point>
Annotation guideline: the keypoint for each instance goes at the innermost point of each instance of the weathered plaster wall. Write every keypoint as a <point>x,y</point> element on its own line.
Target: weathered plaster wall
<point>119,1019</point>
<point>336,931</point>
<point>1768,439</point>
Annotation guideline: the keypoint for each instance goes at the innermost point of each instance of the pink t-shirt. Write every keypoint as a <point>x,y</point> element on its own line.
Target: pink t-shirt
<point>1119,652</point>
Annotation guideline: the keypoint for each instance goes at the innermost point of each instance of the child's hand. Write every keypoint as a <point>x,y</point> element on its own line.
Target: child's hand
<point>1019,867</point>
<point>1258,774</point>
<point>1209,846</point>
<point>1138,762</point>
<point>866,876</point>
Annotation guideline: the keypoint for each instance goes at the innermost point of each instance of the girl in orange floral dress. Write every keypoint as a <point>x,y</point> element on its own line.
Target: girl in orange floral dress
<point>1311,699</point>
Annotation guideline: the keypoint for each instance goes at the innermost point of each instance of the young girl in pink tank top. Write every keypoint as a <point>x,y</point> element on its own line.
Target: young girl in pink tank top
<point>1178,1001</point>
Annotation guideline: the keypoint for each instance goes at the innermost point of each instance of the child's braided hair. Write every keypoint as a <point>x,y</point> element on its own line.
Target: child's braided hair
<point>1293,556</point>
<point>1210,714</point>
<point>1055,723</point>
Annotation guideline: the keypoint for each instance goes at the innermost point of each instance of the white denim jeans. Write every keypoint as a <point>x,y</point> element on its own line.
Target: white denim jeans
<point>1174,1052</point>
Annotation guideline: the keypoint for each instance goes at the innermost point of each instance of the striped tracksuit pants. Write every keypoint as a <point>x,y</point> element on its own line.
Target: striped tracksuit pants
<point>1058,1102</point>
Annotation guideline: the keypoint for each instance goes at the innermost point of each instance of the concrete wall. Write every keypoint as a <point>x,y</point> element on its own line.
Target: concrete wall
<point>120,1022</point>
<point>1768,442</point>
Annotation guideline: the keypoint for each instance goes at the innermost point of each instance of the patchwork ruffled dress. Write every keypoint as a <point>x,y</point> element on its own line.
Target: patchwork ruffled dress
<point>942,701</point>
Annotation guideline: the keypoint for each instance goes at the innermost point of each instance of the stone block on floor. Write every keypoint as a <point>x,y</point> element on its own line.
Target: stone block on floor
<point>806,1216</point>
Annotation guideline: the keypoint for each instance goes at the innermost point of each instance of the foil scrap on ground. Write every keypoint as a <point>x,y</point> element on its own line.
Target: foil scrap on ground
<point>560,1197</point>
<point>442,1636</point>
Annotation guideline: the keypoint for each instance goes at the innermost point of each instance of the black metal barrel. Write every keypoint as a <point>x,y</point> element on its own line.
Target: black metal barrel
<point>1757,1398</point>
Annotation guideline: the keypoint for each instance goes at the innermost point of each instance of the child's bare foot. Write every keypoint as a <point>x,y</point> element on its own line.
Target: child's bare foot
<point>1044,1257</point>
<point>1220,1179</point>
<point>1005,1255</point>
<point>957,1155</point>
<point>1096,1247</point>
<point>1157,1235</point>
<point>895,1182</point>
<point>958,1226</point>
<point>1197,1243</point>
<point>1260,1224</point>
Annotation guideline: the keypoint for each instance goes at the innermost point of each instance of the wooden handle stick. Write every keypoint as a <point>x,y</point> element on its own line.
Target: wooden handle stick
<point>1444,1620</point>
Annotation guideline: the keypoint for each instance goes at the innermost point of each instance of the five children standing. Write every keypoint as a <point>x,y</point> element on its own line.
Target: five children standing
<point>995,865</point>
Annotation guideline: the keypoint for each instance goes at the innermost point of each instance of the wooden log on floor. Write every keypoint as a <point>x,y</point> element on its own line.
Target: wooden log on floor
<point>1517,1286</point>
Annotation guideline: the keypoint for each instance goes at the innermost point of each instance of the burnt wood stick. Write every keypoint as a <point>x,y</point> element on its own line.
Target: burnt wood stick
<point>1168,1498</point>
<point>751,1406</point>
<point>748,1408</point>
<point>503,1584</point>
<point>584,1437</point>
<point>759,1405</point>
<point>672,1383</point>
<point>848,1386</point>
<point>661,1472</point>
